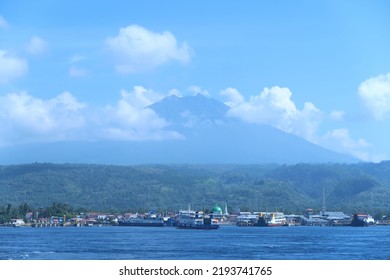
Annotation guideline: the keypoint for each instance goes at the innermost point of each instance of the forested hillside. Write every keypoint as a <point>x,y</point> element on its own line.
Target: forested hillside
<point>291,188</point>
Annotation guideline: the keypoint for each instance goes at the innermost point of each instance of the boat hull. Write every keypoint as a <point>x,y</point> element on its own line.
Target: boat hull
<point>140,224</point>
<point>262,222</point>
<point>205,227</point>
<point>357,222</point>
<point>195,220</point>
<point>362,221</point>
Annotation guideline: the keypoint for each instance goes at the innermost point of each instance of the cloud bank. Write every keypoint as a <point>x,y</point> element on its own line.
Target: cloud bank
<point>28,119</point>
<point>24,118</point>
<point>137,49</point>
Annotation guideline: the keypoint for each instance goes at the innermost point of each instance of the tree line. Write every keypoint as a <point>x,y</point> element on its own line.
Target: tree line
<point>9,211</point>
<point>363,187</point>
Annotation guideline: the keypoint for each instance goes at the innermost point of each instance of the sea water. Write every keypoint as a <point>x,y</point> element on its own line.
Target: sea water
<point>169,243</point>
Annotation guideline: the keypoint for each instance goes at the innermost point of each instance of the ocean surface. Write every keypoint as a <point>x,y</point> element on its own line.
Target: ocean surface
<point>169,243</point>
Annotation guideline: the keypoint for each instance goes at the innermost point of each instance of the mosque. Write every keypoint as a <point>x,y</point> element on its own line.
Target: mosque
<point>219,214</point>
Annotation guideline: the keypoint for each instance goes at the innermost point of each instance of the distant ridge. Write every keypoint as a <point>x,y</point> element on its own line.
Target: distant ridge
<point>348,187</point>
<point>208,136</point>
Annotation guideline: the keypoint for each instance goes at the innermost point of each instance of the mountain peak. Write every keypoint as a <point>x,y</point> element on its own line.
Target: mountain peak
<point>177,109</point>
<point>211,135</point>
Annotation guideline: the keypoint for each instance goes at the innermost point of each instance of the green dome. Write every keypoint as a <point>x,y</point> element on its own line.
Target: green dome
<point>217,209</point>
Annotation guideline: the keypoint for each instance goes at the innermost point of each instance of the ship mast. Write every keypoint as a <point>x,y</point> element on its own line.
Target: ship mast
<point>323,200</point>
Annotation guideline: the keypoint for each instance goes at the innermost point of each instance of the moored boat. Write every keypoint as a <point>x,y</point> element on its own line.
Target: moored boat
<point>271,220</point>
<point>362,220</point>
<point>148,220</point>
<point>247,219</point>
<point>189,219</point>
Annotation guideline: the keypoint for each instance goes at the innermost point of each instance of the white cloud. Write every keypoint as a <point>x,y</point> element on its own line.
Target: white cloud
<point>375,94</point>
<point>234,97</point>
<point>37,46</point>
<point>11,67</point>
<point>77,72</point>
<point>141,97</point>
<point>24,118</point>
<point>273,106</point>
<point>3,22</point>
<point>198,90</point>
<point>175,92</point>
<point>340,140</point>
<point>127,122</point>
<point>67,101</point>
<point>137,49</point>
<point>133,117</point>
<point>130,119</point>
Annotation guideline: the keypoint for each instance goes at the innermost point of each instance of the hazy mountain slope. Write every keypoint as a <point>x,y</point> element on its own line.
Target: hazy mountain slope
<point>208,137</point>
<point>218,138</point>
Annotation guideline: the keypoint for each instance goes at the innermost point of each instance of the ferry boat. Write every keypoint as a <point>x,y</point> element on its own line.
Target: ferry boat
<point>362,220</point>
<point>148,220</point>
<point>189,219</point>
<point>273,219</point>
<point>247,219</point>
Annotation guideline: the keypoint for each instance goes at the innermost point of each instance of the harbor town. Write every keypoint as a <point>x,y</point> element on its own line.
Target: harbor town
<point>200,219</point>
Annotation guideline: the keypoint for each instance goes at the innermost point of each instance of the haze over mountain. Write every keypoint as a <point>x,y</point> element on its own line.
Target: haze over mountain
<point>205,135</point>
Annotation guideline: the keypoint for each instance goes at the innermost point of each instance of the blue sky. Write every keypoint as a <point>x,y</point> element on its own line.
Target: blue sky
<point>81,70</point>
